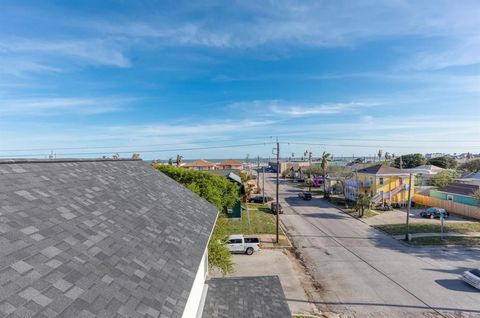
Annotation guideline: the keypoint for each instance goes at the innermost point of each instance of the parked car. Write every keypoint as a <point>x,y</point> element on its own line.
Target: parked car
<point>237,243</point>
<point>472,277</point>
<point>305,195</point>
<point>273,207</point>
<point>434,213</point>
<point>259,199</point>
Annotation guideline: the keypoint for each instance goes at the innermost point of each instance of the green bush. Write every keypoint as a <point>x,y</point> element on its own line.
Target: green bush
<point>218,191</point>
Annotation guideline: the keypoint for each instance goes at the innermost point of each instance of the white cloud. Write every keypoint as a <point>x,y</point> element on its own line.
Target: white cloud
<point>60,105</point>
<point>290,109</point>
<point>93,51</point>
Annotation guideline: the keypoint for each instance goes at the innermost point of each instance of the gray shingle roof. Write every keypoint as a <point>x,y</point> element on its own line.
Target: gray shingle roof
<point>246,297</point>
<point>97,238</point>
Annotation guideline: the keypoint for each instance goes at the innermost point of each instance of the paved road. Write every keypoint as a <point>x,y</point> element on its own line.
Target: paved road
<point>364,273</point>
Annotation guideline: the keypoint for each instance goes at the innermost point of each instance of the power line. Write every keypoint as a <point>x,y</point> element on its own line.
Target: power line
<point>133,147</point>
<point>144,151</point>
<point>357,145</point>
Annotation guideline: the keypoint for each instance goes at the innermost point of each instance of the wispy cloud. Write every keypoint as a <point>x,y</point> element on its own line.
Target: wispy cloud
<point>291,109</point>
<point>61,105</point>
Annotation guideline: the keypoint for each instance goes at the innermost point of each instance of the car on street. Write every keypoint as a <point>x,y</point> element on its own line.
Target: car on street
<point>305,195</point>
<point>432,213</point>
<point>259,199</point>
<point>237,243</point>
<point>472,277</point>
<point>273,208</point>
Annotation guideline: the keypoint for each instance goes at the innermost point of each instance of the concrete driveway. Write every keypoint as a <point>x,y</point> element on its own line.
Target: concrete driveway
<point>296,284</point>
<point>364,273</point>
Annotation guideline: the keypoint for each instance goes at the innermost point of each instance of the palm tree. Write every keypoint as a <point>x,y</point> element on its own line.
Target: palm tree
<point>324,165</point>
<point>380,152</point>
<point>364,202</point>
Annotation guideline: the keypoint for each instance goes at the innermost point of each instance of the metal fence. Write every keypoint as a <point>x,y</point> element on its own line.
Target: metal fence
<point>450,206</point>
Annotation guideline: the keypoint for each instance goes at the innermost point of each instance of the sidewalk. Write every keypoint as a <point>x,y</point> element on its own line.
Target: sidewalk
<point>418,235</point>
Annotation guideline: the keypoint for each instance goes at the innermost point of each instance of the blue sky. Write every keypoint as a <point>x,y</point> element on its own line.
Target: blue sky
<point>349,77</point>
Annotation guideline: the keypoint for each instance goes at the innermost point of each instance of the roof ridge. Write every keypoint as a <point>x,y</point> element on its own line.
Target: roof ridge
<point>21,161</point>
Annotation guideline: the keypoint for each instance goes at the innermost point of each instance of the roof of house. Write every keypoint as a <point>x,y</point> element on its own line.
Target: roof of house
<point>97,238</point>
<point>431,168</point>
<point>199,163</point>
<point>460,188</point>
<point>231,174</point>
<point>382,169</point>
<point>230,162</point>
<point>472,176</point>
<point>246,297</point>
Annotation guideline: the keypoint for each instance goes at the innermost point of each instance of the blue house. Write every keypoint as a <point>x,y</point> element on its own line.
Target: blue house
<point>457,192</point>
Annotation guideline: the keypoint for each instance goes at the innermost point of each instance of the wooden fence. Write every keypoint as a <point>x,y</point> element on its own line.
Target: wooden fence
<point>450,206</point>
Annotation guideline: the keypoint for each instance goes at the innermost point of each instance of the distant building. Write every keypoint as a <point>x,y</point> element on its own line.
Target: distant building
<point>471,178</point>
<point>383,183</point>
<point>200,165</point>
<point>230,164</point>
<point>424,173</point>
<point>434,155</point>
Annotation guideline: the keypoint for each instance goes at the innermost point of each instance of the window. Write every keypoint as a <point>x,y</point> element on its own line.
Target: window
<point>380,181</point>
<point>235,241</point>
<point>449,197</point>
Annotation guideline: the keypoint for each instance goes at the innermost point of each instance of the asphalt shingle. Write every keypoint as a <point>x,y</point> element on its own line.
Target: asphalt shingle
<point>92,238</point>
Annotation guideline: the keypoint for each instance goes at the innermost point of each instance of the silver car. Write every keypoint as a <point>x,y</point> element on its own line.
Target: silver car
<point>472,277</point>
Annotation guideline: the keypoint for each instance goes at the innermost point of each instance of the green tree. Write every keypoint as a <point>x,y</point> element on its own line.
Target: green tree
<point>363,203</point>
<point>471,166</point>
<point>443,178</point>
<point>218,191</point>
<point>409,161</point>
<point>445,162</point>
<point>324,165</point>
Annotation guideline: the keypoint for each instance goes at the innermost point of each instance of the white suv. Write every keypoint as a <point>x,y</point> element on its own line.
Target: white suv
<point>239,244</point>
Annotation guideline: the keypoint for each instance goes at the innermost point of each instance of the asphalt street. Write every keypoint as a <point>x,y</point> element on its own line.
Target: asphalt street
<point>362,272</point>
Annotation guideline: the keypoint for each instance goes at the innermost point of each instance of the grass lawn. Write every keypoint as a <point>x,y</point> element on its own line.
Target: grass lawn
<point>256,220</point>
<point>448,240</point>
<point>397,229</point>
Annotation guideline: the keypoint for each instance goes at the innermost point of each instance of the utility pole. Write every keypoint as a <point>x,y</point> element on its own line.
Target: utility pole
<point>407,233</point>
<point>263,183</point>
<point>276,194</point>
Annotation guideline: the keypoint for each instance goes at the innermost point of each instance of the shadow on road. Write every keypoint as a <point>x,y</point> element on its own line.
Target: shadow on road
<point>456,285</point>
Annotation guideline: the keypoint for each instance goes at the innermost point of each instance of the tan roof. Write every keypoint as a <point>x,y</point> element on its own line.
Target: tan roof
<point>231,162</point>
<point>382,169</point>
<point>199,163</point>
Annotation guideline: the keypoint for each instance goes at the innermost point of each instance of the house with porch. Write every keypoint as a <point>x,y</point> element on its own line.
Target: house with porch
<point>385,184</point>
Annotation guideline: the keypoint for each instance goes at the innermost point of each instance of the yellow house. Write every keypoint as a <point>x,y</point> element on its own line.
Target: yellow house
<point>383,183</point>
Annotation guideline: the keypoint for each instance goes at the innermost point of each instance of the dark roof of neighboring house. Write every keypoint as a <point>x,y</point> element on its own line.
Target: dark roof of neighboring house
<point>473,175</point>
<point>460,188</point>
<point>97,238</point>
<point>231,174</point>
<point>382,170</point>
<point>230,162</point>
<point>199,163</point>
<point>246,297</point>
